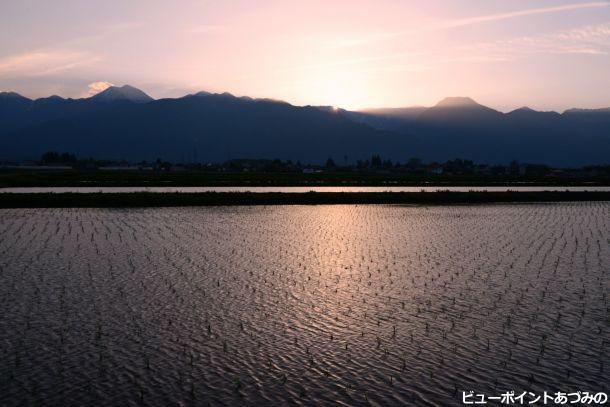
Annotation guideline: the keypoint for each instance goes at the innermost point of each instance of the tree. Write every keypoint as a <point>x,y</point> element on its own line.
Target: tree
<point>362,164</point>
<point>330,163</point>
<point>67,158</point>
<point>55,157</point>
<point>50,157</point>
<point>376,161</point>
<point>414,163</point>
<point>513,168</point>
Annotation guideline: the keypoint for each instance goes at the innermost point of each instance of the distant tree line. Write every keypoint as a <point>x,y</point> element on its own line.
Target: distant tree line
<point>376,163</point>
<point>53,157</point>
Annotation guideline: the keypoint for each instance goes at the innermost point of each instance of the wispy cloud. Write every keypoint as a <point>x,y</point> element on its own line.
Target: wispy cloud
<point>450,24</point>
<point>60,57</point>
<point>97,87</point>
<point>42,63</point>
<point>101,33</point>
<point>590,40</point>
<point>523,13</point>
<point>587,40</point>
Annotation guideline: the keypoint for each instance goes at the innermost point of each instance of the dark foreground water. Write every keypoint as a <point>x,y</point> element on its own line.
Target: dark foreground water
<point>331,305</point>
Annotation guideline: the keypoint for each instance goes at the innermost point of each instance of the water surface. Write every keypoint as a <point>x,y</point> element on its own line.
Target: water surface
<point>306,305</point>
<point>303,189</point>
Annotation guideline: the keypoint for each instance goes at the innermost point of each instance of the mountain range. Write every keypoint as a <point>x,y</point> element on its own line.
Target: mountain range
<point>126,123</point>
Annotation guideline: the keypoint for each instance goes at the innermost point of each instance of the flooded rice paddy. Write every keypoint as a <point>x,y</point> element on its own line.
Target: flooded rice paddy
<point>305,305</point>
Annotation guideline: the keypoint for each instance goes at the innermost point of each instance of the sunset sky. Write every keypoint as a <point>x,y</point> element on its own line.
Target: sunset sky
<point>546,54</point>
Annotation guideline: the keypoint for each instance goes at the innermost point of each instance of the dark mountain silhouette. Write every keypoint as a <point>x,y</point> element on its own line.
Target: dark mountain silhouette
<point>388,118</point>
<point>212,127</point>
<point>451,111</point>
<point>202,93</point>
<point>460,112</point>
<point>404,113</point>
<point>588,111</point>
<point>526,114</point>
<point>13,99</point>
<point>460,127</point>
<point>17,111</point>
<point>126,123</point>
<point>123,93</point>
<point>12,107</point>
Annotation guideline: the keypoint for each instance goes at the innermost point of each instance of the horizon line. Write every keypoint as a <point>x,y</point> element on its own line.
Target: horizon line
<point>361,110</point>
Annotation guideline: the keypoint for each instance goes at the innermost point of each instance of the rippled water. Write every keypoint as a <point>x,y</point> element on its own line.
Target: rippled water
<point>306,305</point>
<point>38,190</point>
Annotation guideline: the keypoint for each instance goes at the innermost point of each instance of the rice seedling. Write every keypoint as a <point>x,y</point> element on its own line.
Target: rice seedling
<point>294,303</point>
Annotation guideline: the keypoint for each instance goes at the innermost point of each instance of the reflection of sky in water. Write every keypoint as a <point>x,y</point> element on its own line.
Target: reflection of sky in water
<point>309,305</point>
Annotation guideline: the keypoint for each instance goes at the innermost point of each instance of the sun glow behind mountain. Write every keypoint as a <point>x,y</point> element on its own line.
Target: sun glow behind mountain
<point>339,89</point>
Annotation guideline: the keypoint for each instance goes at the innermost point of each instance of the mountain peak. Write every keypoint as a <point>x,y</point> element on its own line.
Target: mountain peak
<point>460,111</point>
<point>457,101</point>
<point>12,95</point>
<point>52,97</point>
<point>587,111</point>
<point>523,111</point>
<point>124,92</point>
